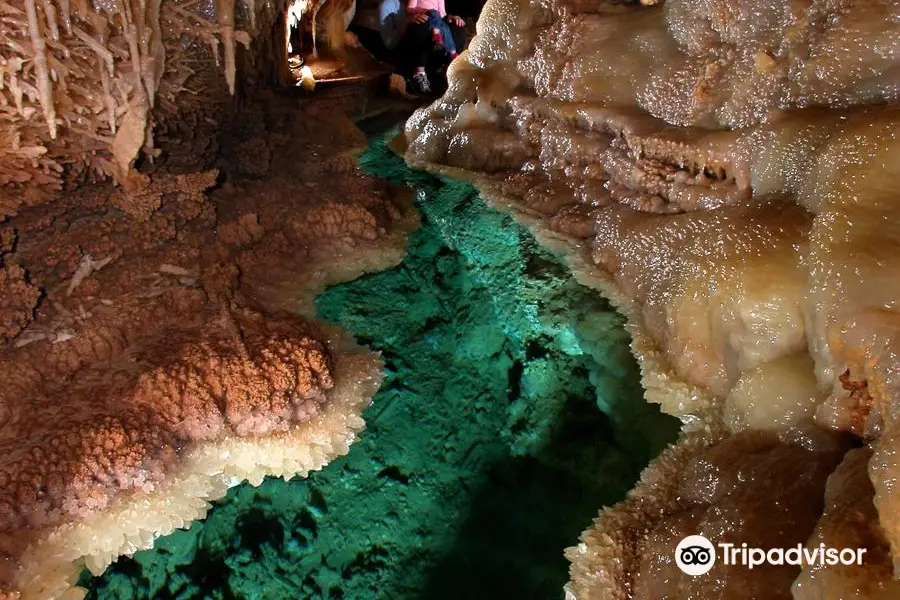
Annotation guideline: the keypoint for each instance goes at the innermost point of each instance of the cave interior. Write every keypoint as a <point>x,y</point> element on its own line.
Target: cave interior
<point>272,325</point>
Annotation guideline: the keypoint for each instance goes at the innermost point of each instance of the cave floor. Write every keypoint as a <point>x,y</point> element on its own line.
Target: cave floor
<point>350,66</point>
<point>485,453</point>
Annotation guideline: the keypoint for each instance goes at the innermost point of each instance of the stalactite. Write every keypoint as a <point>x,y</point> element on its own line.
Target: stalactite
<point>16,89</point>
<point>42,74</point>
<point>226,21</point>
<point>131,35</point>
<point>91,65</point>
<point>143,35</point>
<point>103,54</point>
<point>214,47</point>
<point>106,66</point>
<point>151,52</point>
<point>156,51</point>
<point>105,69</point>
<point>66,15</point>
<point>251,11</point>
<point>50,13</point>
<point>131,134</point>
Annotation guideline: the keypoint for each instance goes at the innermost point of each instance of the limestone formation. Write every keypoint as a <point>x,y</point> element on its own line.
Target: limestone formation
<point>158,346</point>
<point>727,174</point>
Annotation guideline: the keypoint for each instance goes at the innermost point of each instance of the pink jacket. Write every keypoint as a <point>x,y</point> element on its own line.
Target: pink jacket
<point>425,5</point>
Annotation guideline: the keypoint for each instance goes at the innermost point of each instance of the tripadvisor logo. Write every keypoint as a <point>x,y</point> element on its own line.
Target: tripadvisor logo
<point>696,555</point>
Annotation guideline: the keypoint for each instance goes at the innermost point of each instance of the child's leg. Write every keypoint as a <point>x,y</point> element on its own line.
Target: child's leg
<point>449,42</point>
<point>436,23</point>
<point>419,76</point>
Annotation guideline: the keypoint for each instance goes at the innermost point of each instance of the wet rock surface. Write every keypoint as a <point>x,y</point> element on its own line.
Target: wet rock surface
<point>731,190</point>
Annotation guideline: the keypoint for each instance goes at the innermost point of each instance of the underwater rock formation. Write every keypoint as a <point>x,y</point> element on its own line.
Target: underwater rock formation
<point>726,173</point>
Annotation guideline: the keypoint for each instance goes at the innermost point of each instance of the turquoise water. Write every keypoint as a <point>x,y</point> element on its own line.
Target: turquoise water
<point>511,411</point>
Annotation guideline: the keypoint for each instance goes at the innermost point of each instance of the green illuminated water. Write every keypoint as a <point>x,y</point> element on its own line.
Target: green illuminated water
<point>511,411</point>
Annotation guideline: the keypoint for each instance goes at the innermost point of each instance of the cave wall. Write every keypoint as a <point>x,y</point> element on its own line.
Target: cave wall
<point>89,88</point>
<point>726,174</point>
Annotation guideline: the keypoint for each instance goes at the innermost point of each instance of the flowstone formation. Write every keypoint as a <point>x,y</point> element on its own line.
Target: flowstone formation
<point>510,404</point>
<point>726,174</point>
<point>160,348</point>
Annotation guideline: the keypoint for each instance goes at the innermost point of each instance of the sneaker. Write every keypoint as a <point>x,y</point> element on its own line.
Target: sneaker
<point>422,82</point>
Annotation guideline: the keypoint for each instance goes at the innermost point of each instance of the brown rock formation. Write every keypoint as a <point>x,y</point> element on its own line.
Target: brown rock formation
<point>727,174</point>
<point>157,343</point>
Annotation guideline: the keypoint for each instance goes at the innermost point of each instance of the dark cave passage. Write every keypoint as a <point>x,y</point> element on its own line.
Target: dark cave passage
<point>485,452</point>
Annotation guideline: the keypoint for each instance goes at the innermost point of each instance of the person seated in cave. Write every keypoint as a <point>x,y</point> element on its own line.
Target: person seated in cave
<point>437,22</point>
<point>421,37</point>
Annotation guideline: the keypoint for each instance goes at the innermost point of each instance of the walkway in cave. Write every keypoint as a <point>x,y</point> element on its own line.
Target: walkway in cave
<point>485,455</point>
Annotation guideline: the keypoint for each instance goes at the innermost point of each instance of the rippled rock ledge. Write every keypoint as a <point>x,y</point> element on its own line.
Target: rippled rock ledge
<point>170,353</point>
<point>727,175</point>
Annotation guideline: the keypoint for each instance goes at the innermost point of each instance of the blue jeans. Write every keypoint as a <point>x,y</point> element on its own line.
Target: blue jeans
<point>436,22</point>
